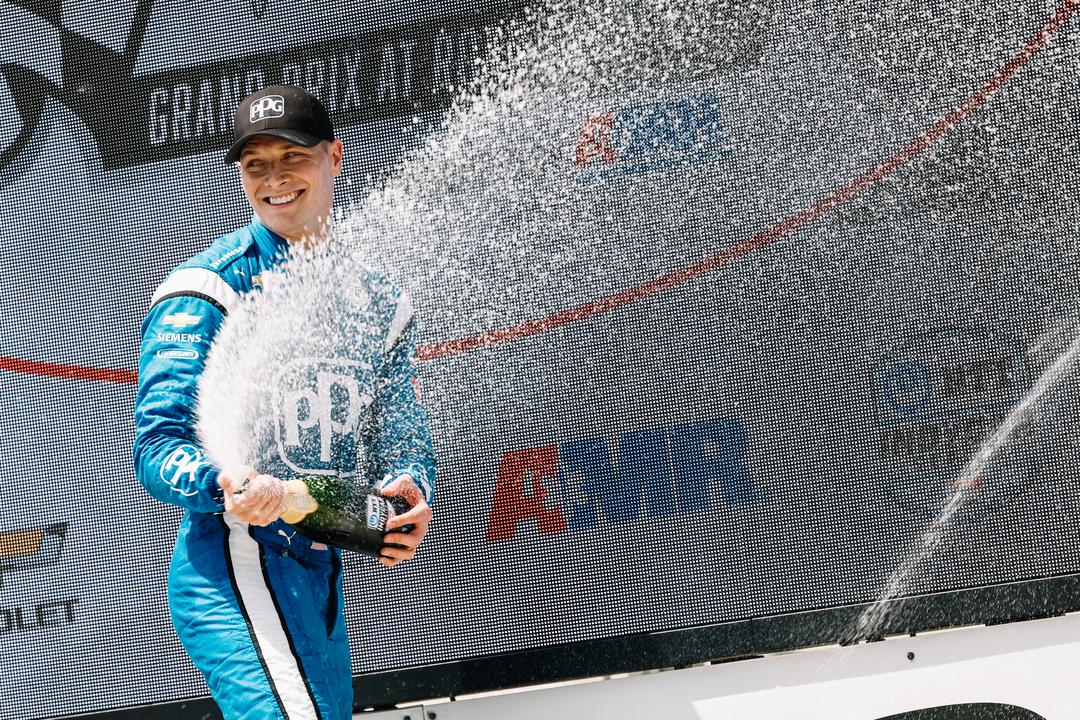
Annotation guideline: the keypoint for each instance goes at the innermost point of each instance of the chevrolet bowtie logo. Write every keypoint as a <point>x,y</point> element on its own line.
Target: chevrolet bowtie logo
<point>31,548</point>
<point>267,279</point>
<point>181,320</point>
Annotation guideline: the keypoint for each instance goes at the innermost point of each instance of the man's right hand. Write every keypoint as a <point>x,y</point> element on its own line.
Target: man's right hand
<point>258,499</point>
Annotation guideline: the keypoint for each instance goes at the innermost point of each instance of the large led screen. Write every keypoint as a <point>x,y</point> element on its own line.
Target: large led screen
<point>722,304</point>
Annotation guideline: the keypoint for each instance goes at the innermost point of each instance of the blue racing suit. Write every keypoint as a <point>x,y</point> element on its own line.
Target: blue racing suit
<point>260,609</point>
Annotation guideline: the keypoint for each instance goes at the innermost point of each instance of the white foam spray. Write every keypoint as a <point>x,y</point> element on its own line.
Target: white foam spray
<point>871,620</point>
<point>312,307</point>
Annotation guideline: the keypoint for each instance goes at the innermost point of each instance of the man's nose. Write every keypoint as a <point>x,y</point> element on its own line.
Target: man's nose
<point>276,174</point>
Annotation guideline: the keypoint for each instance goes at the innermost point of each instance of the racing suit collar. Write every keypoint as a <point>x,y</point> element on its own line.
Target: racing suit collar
<point>270,243</point>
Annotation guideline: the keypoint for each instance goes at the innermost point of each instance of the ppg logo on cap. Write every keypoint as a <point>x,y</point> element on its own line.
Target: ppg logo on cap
<point>264,108</point>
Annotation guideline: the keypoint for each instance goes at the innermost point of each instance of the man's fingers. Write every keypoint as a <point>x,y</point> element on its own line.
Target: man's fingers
<point>410,492</point>
<point>259,500</point>
<point>398,554</point>
<point>255,515</point>
<point>268,504</point>
<point>419,515</point>
<point>231,484</point>
<point>405,487</point>
<point>391,556</point>
<point>268,500</point>
<point>251,475</point>
<point>262,515</point>
<point>405,539</point>
<point>226,483</point>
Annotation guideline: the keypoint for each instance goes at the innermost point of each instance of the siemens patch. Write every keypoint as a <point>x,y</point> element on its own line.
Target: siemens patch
<point>179,337</point>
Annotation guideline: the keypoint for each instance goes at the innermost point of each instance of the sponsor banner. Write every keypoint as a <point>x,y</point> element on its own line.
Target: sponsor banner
<point>137,119</point>
<point>654,473</point>
<point>27,549</point>
<point>36,547</point>
<point>732,369</point>
<point>650,137</point>
<point>359,80</point>
<point>942,396</point>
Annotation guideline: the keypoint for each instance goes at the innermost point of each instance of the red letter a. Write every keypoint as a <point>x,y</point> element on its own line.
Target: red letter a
<point>594,140</point>
<point>510,505</point>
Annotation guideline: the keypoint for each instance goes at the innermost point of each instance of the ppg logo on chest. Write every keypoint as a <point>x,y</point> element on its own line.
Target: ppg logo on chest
<point>322,407</point>
<point>271,106</point>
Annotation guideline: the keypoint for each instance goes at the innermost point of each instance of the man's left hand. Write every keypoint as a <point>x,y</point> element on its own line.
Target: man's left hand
<point>419,516</point>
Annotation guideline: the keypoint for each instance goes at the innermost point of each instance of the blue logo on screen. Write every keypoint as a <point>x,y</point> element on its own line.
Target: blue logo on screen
<point>907,385</point>
<point>650,137</point>
<point>655,473</point>
<point>939,398</point>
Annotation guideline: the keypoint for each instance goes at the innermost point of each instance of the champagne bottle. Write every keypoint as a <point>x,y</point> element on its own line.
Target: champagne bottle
<point>337,512</point>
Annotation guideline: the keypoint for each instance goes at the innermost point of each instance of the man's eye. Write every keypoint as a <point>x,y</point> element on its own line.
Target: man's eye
<point>253,165</point>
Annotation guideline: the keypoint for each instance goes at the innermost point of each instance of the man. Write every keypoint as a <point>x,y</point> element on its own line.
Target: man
<point>257,606</point>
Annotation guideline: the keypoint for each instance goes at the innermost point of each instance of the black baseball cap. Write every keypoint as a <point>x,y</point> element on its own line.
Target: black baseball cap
<point>283,111</point>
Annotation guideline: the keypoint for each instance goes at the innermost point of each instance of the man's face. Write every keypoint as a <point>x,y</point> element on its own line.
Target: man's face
<point>290,187</point>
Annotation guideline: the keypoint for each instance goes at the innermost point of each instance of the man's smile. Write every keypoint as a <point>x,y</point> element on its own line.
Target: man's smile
<point>290,185</point>
<point>284,199</point>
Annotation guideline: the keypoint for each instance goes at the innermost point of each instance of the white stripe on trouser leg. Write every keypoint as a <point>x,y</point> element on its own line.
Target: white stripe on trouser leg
<point>266,624</point>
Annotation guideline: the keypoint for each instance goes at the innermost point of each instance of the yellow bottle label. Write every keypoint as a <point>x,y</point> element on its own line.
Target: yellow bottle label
<point>300,503</point>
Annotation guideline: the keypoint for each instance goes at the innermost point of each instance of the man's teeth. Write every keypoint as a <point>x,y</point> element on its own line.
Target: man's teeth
<point>283,199</point>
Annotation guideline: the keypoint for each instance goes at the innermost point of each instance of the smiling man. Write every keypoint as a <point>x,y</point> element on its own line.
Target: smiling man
<point>258,607</point>
<point>288,159</point>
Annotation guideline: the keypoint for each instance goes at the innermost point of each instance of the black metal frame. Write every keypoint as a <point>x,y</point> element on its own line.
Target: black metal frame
<point>737,640</point>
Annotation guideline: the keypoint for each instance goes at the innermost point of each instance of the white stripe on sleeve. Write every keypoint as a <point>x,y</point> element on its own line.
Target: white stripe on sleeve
<point>198,280</point>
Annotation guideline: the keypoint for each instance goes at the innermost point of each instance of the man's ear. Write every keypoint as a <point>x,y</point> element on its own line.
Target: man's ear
<point>337,153</point>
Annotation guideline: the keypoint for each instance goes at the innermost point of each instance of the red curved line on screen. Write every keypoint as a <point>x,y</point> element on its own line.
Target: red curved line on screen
<point>631,295</point>
<point>67,372</point>
<point>770,234</point>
